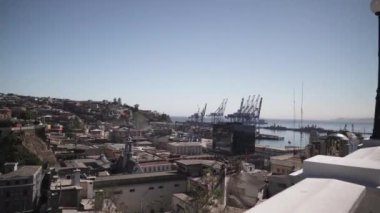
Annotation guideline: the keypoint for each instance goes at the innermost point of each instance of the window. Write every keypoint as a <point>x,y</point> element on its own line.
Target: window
<point>176,185</point>
<point>161,187</point>
<point>25,181</point>
<point>8,183</point>
<point>7,194</point>
<point>17,182</point>
<point>151,188</point>
<point>152,211</point>
<point>25,192</point>
<point>132,190</point>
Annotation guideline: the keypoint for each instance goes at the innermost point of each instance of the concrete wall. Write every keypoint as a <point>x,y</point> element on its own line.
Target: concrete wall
<point>157,167</point>
<point>147,196</point>
<point>16,198</point>
<point>20,193</point>
<point>182,204</point>
<point>278,183</point>
<point>364,172</point>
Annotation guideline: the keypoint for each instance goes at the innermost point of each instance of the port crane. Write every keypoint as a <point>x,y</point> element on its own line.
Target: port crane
<point>217,116</point>
<point>249,111</point>
<point>198,117</point>
<point>203,113</point>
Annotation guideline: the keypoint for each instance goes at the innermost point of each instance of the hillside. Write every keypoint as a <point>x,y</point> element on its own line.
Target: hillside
<point>27,150</point>
<point>38,147</point>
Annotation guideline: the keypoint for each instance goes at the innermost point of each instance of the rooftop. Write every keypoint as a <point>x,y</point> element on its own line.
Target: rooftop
<point>212,163</point>
<point>23,171</point>
<point>283,157</point>
<point>315,195</point>
<point>185,144</point>
<point>125,179</point>
<point>332,184</point>
<point>358,168</point>
<point>183,197</point>
<point>372,153</point>
<point>155,163</point>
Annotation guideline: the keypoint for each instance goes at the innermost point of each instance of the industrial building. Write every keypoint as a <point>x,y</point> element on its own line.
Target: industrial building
<point>234,138</point>
<point>144,192</point>
<point>185,148</point>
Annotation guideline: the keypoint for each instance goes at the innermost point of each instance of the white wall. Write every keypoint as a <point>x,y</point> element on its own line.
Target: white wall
<point>157,167</point>
<point>144,198</point>
<point>361,171</point>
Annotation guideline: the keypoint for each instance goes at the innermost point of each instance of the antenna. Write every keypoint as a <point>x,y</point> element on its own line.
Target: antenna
<point>294,114</point>
<point>294,108</point>
<point>301,135</point>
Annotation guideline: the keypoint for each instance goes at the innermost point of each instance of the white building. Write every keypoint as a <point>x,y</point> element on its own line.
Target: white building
<point>332,184</point>
<point>156,167</point>
<point>315,195</point>
<point>144,192</point>
<point>185,148</point>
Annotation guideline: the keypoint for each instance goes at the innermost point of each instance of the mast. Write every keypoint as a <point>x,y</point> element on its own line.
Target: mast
<point>294,114</point>
<point>301,135</point>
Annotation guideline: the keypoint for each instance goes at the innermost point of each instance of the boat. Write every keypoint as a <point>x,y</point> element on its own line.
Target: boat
<point>269,137</point>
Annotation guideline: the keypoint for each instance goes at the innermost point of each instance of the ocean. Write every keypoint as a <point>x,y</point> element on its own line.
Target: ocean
<point>292,138</point>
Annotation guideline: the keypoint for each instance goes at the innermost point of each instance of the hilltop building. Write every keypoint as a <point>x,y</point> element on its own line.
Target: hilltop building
<point>5,114</point>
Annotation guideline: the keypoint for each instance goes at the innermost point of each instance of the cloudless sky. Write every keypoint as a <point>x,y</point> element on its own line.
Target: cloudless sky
<point>175,55</point>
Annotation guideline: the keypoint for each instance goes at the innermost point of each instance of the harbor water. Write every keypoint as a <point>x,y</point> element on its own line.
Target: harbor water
<point>293,138</point>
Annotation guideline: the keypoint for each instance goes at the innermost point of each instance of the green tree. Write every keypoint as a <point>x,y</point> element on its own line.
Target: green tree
<point>207,194</point>
<point>12,150</point>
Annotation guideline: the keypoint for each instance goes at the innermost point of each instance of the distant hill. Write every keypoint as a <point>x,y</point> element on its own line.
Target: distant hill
<point>142,118</point>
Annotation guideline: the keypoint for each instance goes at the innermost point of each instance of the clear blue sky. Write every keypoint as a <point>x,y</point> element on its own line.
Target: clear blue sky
<point>174,55</point>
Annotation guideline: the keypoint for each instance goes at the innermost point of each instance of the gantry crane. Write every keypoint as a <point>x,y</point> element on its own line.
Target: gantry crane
<point>249,111</point>
<point>217,116</point>
<point>198,116</point>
